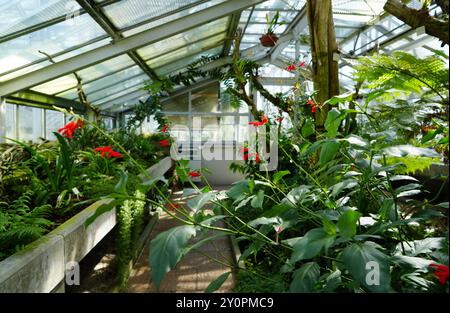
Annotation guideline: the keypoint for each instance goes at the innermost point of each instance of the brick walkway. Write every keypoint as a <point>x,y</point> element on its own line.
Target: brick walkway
<point>194,272</point>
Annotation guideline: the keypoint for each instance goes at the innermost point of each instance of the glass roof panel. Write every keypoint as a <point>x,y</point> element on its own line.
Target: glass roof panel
<point>123,92</point>
<point>16,15</point>
<point>151,24</point>
<point>57,85</point>
<point>282,4</point>
<point>104,82</point>
<point>187,50</point>
<point>54,39</point>
<point>130,12</point>
<point>181,64</point>
<point>106,92</point>
<point>67,82</point>
<point>184,39</point>
<point>10,74</point>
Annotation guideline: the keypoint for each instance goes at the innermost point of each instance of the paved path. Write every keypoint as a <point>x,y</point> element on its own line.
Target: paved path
<point>194,272</point>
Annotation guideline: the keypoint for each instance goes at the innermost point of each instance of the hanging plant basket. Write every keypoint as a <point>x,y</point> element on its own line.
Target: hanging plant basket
<point>268,40</point>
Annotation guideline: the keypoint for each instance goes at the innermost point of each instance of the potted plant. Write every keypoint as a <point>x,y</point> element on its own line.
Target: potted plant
<point>269,39</point>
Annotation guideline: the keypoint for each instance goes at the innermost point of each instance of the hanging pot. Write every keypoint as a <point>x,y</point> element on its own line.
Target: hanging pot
<point>268,40</point>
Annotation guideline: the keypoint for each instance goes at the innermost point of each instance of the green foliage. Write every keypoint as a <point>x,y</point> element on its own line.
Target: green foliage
<point>21,223</point>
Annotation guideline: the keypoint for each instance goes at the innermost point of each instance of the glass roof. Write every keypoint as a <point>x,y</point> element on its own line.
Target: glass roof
<point>33,30</point>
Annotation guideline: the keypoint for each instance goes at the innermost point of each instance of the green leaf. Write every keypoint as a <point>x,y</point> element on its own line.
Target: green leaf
<point>408,150</point>
<point>347,223</point>
<point>333,281</point>
<point>424,246</point>
<point>368,266</point>
<point>328,226</point>
<point>340,99</point>
<point>257,201</point>
<point>277,210</point>
<point>107,206</point>
<point>198,202</point>
<point>346,184</point>
<point>238,189</point>
<point>308,128</point>
<point>311,245</point>
<point>334,119</point>
<point>328,151</point>
<point>305,278</point>
<point>278,175</point>
<point>167,249</point>
<point>217,283</point>
<point>121,186</point>
<point>264,221</point>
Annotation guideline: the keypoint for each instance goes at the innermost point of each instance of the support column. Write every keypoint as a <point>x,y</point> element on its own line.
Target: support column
<point>2,119</point>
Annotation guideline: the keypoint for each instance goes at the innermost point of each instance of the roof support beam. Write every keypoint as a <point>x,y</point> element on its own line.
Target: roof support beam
<point>125,45</point>
<point>234,23</point>
<point>104,22</point>
<point>34,98</point>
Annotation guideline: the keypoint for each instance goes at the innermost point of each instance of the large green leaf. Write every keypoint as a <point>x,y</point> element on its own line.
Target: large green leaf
<point>334,119</point>
<point>368,266</point>
<point>328,151</point>
<point>305,278</point>
<point>311,245</point>
<point>238,189</point>
<point>278,175</point>
<point>408,150</point>
<point>347,223</point>
<point>258,200</point>
<point>346,184</point>
<point>217,283</point>
<point>198,202</point>
<point>167,249</point>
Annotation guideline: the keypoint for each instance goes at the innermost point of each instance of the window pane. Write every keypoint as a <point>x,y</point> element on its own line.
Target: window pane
<point>177,104</point>
<point>206,99</point>
<point>54,120</point>
<point>30,123</point>
<point>10,121</point>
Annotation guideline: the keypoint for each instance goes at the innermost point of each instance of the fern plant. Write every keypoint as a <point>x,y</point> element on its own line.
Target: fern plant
<point>21,223</point>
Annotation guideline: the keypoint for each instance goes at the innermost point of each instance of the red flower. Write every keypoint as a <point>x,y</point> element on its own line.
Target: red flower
<point>313,109</point>
<point>164,128</point>
<point>108,152</point>
<point>291,68</point>
<point>173,206</point>
<point>164,143</point>
<point>70,128</point>
<point>257,159</point>
<point>302,63</point>
<point>257,124</point>
<point>194,174</point>
<point>244,150</point>
<point>441,272</point>
<point>310,102</point>
<point>246,157</point>
<point>280,119</point>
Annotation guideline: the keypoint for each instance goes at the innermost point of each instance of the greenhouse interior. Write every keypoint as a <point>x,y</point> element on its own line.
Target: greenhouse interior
<point>224,146</point>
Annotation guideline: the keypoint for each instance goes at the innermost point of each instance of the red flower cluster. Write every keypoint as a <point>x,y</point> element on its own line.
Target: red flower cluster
<point>108,152</point>
<point>164,128</point>
<point>280,119</point>
<point>247,155</point>
<point>194,174</point>
<point>263,122</point>
<point>164,143</point>
<point>312,104</point>
<point>70,128</point>
<point>292,67</point>
<point>441,272</point>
